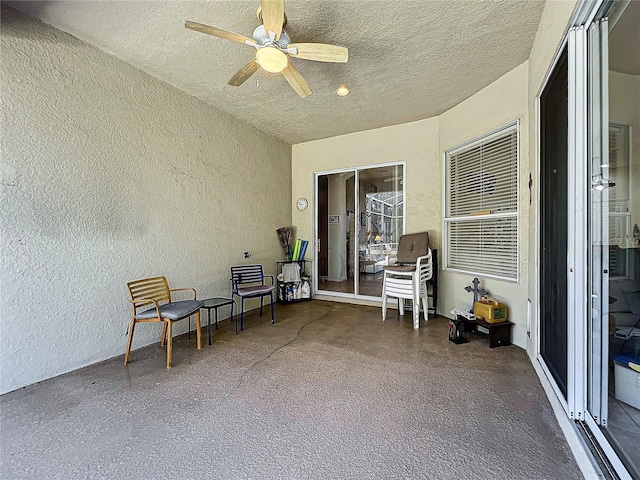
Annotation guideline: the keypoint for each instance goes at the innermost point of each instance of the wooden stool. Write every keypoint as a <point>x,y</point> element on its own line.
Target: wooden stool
<point>499,333</point>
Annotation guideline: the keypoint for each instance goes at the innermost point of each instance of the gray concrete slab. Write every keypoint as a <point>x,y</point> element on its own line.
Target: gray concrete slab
<point>329,391</point>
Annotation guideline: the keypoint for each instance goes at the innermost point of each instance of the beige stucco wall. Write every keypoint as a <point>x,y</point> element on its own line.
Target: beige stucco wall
<point>421,145</point>
<point>415,143</point>
<point>624,107</point>
<point>551,31</point>
<point>500,103</point>
<point>110,175</point>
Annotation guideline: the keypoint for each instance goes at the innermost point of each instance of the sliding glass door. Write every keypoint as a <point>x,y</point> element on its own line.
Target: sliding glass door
<point>335,217</point>
<point>359,220</point>
<point>381,207</point>
<point>613,385</point>
<point>589,337</point>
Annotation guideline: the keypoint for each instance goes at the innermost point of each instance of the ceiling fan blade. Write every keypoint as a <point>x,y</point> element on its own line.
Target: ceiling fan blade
<point>218,32</point>
<point>297,82</point>
<point>273,16</point>
<point>244,73</point>
<point>320,52</point>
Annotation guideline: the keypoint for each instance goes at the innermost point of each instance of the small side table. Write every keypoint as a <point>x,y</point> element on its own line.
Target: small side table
<point>499,333</point>
<point>215,303</point>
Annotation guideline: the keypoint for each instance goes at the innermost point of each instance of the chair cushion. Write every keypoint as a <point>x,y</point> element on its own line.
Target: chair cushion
<point>412,246</point>
<point>255,291</point>
<point>400,268</point>
<point>173,310</point>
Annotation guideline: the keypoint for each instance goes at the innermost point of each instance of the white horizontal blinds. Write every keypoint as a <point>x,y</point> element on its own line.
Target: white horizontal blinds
<point>481,222</point>
<point>487,246</point>
<point>614,136</point>
<point>618,162</point>
<point>617,262</point>
<point>616,145</point>
<point>481,176</point>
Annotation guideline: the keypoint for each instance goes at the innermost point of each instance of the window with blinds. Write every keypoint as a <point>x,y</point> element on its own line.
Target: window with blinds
<point>619,174</point>
<point>481,206</point>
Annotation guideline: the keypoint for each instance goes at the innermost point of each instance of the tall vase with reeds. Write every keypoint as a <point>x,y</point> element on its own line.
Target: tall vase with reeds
<point>284,235</point>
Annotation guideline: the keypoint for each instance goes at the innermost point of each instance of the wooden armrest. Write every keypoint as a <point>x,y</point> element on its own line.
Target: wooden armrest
<point>141,302</point>
<point>184,289</point>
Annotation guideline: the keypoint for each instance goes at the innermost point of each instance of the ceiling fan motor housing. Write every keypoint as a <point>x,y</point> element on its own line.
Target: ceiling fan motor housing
<point>260,36</point>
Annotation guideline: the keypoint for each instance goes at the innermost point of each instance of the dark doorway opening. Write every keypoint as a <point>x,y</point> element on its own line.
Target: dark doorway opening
<point>553,222</point>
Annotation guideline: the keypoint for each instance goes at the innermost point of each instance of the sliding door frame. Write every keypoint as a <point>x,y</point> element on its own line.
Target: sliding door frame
<point>576,271</point>
<point>539,224</point>
<point>598,345</point>
<point>356,233</point>
<point>581,306</point>
<point>578,295</point>
<point>315,282</point>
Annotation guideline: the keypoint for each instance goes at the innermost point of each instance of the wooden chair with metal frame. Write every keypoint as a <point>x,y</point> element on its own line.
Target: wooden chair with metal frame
<point>248,281</point>
<point>155,292</point>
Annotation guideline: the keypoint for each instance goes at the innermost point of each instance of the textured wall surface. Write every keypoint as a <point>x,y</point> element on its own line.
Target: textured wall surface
<point>502,102</point>
<point>415,143</point>
<point>624,107</point>
<point>422,144</point>
<point>109,175</point>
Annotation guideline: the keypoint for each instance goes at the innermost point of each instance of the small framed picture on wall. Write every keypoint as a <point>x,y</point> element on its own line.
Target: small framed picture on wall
<point>334,218</point>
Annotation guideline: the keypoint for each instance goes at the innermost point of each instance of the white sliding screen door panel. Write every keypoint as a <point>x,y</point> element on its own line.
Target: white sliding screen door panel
<point>554,125</point>
<point>597,365</point>
<point>563,230</point>
<point>578,187</point>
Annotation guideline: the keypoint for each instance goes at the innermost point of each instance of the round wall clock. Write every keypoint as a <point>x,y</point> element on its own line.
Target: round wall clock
<point>302,204</point>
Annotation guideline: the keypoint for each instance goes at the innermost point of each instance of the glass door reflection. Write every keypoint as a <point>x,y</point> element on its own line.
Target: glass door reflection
<point>360,217</point>
<point>334,226</point>
<point>381,223</point>
<point>614,323</point>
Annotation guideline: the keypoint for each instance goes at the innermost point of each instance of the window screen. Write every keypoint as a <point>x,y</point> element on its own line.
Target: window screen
<point>481,206</point>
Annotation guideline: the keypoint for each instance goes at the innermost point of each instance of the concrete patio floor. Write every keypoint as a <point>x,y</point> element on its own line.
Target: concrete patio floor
<point>329,391</point>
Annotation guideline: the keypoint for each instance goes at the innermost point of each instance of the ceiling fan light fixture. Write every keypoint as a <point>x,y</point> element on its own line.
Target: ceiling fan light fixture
<point>342,91</point>
<point>271,59</point>
<point>262,38</point>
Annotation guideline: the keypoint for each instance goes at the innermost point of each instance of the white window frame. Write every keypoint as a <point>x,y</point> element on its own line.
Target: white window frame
<point>456,219</point>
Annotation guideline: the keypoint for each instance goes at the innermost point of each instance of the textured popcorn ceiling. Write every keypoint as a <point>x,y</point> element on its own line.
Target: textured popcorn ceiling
<point>408,60</point>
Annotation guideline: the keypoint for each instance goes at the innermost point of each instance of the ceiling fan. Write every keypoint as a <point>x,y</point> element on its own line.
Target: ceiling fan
<point>273,46</point>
